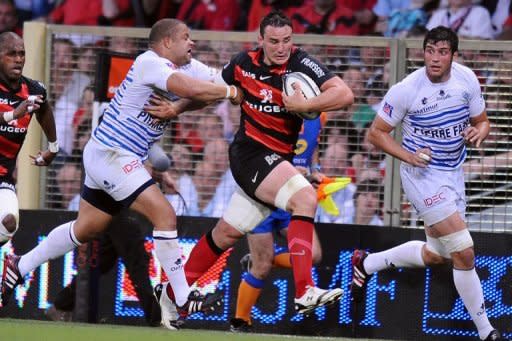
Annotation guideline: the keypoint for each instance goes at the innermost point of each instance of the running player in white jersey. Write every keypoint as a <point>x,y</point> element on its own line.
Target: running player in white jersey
<point>115,177</point>
<point>441,109</point>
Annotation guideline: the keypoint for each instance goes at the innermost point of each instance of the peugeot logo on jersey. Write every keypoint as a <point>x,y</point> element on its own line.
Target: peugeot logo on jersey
<point>267,95</point>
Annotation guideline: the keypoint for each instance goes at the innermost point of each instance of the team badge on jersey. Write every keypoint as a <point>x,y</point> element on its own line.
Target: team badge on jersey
<point>267,95</point>
<point>387,109</point>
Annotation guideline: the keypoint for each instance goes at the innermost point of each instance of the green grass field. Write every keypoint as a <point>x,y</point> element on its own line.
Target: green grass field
<point>29,330</point>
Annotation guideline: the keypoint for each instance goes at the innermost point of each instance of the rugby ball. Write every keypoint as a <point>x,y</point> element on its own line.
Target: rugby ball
<point>308,87</point>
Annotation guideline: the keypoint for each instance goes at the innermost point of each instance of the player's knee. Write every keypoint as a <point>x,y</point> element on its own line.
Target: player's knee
<point>431,258</point>
<point>224,235</point>
<point>261,269</point>
<point>304,200</point>
<point>9,223</point>
<point>464,259</point>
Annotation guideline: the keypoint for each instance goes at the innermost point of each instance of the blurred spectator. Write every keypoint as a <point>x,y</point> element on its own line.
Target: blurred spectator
<point>397,17</point>
<point>147,12</point>
<point>499,10</point>
<point>68,90</point>
<point>219,15</point>
<point>8,17</point>
<point>210,127</point>
<point>230,116</point>
<point>120,44</point>
<point>506,33</point>
<point>86,60</point>
<point>182,195</point>
<point>340,131</point>
<point>377,86</point>
<point>177,184</point>
<point>324,17</point>
<point>369,158</point>
<point>260,8</point>
<point>185,131</point>
<point>82,123</point>
<point>93,12</point>
<point>367,203</point>
<point>360,112</point>
<point>466,19</point>
<point>69,178</point>
<point>206,181</point>
<point>28,10</point>
<point>334,160</point>
<point>216,153</point>
<point>363,13</point>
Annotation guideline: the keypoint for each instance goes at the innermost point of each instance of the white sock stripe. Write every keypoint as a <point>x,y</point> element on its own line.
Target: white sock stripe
<point>165,234</point>
<point>359,273</point>
<point>11,276</point>
<point>72,236</point>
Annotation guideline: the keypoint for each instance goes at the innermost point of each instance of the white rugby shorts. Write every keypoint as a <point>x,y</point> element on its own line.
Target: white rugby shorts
<point>435,194</point>
<point>117,172</point>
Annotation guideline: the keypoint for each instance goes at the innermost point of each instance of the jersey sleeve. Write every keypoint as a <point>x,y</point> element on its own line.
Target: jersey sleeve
<point>393,107</point>
<point>317,71</point>
<point>202,71</point>
<point>36,88</point>
<point>476,100</point>
<point>154,71</point>
<point>228,71</point>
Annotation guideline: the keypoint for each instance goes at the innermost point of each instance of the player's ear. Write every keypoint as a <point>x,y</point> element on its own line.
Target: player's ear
<point>260,39</point>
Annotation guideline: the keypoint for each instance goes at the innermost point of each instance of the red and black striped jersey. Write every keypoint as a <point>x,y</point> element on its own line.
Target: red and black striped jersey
<point>13,134</point>
<point>264,118</point>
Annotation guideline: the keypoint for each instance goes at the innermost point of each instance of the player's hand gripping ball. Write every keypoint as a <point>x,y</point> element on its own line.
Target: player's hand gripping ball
<point>307,86</point>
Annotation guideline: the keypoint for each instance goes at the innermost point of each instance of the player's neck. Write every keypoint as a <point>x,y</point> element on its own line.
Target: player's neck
<point>12,85</point>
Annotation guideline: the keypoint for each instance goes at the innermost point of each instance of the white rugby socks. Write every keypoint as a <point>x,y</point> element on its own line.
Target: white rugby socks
<point>169,255</point>
<point>60,241</point>
<point>470,290</point>
<point>406,255</point>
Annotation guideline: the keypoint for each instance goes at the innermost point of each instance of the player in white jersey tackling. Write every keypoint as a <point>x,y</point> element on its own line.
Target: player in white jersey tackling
<point>115,177</point>
<point>441,110</point>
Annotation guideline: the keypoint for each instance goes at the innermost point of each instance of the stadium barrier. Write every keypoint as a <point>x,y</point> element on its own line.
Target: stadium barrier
<point>400,304</point>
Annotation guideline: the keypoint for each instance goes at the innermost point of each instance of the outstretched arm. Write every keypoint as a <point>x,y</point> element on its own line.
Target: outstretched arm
<point>164,109</point>
<point>379,136</point>
<point>188,87</point>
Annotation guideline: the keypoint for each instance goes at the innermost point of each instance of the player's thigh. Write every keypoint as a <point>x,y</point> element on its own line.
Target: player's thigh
<point>264,175</point>
<point>155,207</point>
<point>436,195</point>
<point>90,222</point>
<point>451,224</point>
<point>281,186</point>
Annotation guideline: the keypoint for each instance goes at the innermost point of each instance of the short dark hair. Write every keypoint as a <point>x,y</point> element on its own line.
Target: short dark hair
<point>7,36</point>
<point>163,28</point>
<point>369,186</point>
<point>441,33</point>
<point>275,19</point>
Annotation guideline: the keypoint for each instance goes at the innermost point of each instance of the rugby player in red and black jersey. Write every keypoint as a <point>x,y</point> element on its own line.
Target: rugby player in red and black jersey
<point>261,152</point>
<point>20,98</point>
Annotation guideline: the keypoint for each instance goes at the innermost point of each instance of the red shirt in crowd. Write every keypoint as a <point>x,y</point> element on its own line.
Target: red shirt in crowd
<point>88,12</point>
<point>339,21</point>
<point>220,15</point>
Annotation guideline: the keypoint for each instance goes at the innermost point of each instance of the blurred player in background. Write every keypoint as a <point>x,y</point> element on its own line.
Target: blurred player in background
<point>441,109</point>
<point>20,98</point>
<point>115,177</point>
<point>262,151</point>
<point>263,256</point>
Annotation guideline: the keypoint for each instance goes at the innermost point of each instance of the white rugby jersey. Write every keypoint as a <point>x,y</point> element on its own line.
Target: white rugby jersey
<point>434,115</point>
<point>125,124</point>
